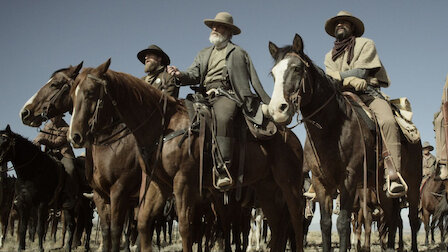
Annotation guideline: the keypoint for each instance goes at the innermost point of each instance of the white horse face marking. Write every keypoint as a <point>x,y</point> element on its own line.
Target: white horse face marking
<point>279,107</point>
<point>73,115</point>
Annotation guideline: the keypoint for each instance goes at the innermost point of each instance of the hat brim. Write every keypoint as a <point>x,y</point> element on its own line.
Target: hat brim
<point>141,56</point>
<point>429,147</point>
<point>235,30</point>
<point>331,24</point>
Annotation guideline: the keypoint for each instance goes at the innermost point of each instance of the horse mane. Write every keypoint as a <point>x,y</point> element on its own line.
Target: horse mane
<point>58,71</point>
<point>135,89</point>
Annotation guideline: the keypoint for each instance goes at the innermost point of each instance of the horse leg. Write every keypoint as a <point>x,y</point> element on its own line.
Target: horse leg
<point>151,205</point>
<point>432,234</point>
<point>118,208</point>
<point>367,230</point>
<point>358,228</point>
<point>343,220</point>
<point>275,210</point>
<point>185,206</point>
<point>42,215</point>
<point>326,206</point>
<point>414,221</point>
<point>103,209</point>
<point>69,216</point>
<point>24,215</point>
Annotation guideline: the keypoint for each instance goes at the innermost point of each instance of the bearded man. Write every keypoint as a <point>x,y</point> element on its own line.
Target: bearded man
<point>355,62</point>
<point>227,67</point>
<point>156,61</point>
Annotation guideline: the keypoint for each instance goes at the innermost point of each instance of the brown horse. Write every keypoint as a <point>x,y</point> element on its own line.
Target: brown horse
<point>429,205</point>
<point>114,172</point>
<point>336,143</point>
<point>272,167</point>
<point>364,220</point>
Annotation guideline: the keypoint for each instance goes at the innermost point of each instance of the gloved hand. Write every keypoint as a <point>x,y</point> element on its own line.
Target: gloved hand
<point>334,74</point>
<point>357,83</point>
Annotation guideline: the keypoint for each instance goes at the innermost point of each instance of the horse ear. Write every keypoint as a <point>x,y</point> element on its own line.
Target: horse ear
<point>297,44</point>
<point>102,69</point>
<point>273,49</point>
<point>8,128</point>
<point>77,69</point>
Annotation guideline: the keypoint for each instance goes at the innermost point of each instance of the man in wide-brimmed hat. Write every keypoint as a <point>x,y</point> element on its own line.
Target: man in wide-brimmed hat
<point>156,61</point>
<point>226,72</point>
<point>429,161</point>
<point>354,62</point>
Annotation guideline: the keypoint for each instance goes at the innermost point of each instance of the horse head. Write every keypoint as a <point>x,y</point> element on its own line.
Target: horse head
<point>90,100</point>
<point>6,145</point>
<point>52,99</point>
<point>292,87</point>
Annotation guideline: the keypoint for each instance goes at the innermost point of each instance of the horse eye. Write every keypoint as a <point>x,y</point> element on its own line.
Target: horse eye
<point>56,84</point>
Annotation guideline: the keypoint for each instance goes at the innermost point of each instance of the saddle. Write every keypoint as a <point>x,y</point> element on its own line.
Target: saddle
<point>202,120</point>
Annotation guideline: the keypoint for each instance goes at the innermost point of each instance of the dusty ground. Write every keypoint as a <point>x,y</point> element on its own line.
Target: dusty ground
<point>314,240</point>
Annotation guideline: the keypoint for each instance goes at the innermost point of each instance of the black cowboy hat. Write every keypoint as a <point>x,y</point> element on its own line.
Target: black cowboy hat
<point>155,50</point>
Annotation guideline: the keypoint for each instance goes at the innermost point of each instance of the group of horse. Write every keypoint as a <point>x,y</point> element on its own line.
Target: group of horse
<point>141,149</point>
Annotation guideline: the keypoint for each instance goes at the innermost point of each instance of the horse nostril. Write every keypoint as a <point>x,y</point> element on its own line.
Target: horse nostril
<point>283,107</point>
<point>77,139</point>
<point>24,113</point>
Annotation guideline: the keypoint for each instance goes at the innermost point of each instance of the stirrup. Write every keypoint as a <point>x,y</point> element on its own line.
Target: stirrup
<point>391,194</point>
<point>215,180</point>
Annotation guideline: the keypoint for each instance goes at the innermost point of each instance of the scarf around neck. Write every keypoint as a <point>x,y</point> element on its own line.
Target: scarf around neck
<point>341,46</point>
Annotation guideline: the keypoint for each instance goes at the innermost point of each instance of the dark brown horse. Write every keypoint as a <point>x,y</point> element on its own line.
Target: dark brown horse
<point>114,172</point>
<point>39,184</point>
<point>6,198</point>
<point>364,220</point>
<point>336,143</point>
<point>429,205</point>
<point>272,167</point>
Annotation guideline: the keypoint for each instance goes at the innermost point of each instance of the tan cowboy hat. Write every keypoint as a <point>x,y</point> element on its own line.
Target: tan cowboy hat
<point>155,50</point>
<point>223,18</point>
<point>426,144</point>
<point>344,15</point>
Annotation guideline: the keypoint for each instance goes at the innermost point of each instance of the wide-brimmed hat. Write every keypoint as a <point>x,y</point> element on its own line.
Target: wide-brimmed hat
<point>427,145</point>
<point>155,50</point>
<point>344,15</point>
<point>223,18</point>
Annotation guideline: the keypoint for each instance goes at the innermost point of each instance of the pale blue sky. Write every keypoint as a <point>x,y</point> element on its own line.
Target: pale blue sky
<point>39,37</point>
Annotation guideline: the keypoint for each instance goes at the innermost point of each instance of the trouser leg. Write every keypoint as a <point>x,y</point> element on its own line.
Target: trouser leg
<point>391,136</point>
<point>71,187</point>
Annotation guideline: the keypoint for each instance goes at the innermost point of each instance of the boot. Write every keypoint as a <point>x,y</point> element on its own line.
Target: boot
<point>311,194</point>
<point>396,188</point>
<point>225,147</point>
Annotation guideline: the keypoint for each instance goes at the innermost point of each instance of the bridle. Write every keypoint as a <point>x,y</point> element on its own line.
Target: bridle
<point>56,96</point>
<point>11,145</point>
<point>296,98</point>
<point>104,92</point>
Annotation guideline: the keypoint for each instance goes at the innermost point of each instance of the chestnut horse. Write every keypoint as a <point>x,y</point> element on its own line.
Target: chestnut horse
<point>114,172</point>
<point>272,167</point>
<point>336,143</point>
<point>429,205</point>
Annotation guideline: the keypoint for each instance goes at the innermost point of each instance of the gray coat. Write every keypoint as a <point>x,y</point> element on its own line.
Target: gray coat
<point>241,74</point>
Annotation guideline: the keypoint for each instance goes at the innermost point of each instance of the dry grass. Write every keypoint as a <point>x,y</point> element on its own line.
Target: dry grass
<point>314,244</point>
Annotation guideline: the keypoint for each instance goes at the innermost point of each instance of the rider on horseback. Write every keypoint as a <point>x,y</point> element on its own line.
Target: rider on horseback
<point>156,61</point>
<point>54,139</point>
<point>354,61</point>
<point>226,71</point>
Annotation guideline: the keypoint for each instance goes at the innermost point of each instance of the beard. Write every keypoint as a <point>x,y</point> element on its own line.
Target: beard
<point>218,39</point>
<point>150,66</point>
<point>341,34</point>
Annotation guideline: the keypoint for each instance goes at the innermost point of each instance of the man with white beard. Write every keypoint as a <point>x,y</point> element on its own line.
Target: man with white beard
<point>226,72</point>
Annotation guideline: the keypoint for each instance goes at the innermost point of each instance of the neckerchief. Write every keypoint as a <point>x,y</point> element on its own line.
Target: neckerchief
<point>341,46</point>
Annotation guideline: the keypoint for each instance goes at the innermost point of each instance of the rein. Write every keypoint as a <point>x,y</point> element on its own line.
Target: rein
<point>56,96</point>
<point>296,98</point>
<point>14,167</point>
<point>146,152</point>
